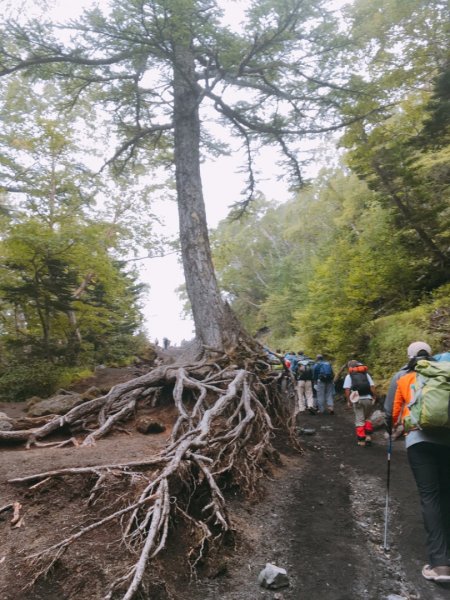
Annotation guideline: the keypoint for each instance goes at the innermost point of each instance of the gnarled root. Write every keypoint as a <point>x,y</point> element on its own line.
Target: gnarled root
<point>223,431</point>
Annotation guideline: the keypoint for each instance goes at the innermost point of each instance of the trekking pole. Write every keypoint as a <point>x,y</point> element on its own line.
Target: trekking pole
<point>386,547</point>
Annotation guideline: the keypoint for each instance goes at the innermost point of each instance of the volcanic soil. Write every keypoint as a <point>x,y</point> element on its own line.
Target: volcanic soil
<point>320,514</point>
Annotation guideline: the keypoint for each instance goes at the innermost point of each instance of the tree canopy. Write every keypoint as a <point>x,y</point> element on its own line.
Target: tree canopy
<point>161,70</point>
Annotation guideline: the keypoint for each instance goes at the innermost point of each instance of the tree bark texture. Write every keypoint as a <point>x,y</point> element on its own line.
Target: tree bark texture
<point>210,315</point>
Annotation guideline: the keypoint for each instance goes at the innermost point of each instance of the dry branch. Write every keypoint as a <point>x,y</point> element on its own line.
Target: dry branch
<point>94,469</point>
<point>16,513</point>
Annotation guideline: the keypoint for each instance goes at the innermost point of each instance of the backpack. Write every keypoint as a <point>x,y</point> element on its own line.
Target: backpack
<point>325,372</point>
<point>292,364</point>
<point>443,356</point>
<point>305,370</point>
<point>360,381</point>
<point>430,406</point>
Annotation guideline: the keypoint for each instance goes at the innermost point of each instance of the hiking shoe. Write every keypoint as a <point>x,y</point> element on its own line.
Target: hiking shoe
<point>361,442</point>
<point>312,410</point>
<point>330,411</point>
<point>439,574</point>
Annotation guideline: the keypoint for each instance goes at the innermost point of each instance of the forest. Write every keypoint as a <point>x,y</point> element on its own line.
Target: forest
<point>107,113</point>
<point>355,263</point>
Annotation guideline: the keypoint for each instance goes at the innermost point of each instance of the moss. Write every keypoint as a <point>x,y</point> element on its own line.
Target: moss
<point>390,336</point>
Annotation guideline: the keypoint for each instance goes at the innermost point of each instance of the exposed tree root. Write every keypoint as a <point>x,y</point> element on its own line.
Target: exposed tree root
<point>223,432</point>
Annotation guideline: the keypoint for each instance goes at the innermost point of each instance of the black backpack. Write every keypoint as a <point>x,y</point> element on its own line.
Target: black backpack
<point>305,370</point>
<point>360,383</point>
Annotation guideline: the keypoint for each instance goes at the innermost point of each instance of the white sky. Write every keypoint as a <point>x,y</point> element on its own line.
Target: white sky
<point>222,186</point>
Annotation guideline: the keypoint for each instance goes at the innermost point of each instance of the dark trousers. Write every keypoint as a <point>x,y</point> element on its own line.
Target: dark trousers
<point>430,464</point>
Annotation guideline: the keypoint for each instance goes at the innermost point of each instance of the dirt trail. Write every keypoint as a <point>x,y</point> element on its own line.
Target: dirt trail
<point>321,517</point>
<point>322,520</point>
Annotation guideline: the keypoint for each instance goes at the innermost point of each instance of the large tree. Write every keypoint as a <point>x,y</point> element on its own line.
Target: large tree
<point>159,72</point>
<point>162,69</point>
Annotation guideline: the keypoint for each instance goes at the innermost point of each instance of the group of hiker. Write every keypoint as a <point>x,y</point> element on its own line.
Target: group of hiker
<point>314,383</point>
<point>315,390</point>
<point>417,402</point>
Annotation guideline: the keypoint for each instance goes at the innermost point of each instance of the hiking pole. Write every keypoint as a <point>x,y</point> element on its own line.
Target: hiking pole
<point>386,547</point>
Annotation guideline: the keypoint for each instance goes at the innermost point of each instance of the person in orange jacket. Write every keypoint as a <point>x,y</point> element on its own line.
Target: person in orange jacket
<point>429,457</point>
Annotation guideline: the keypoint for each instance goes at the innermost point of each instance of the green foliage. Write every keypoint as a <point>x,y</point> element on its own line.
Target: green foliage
<point>390,336</point>
<point>350,250</point>
<point>65,299</point>
<point>334,262</point>
<point>20,381</point>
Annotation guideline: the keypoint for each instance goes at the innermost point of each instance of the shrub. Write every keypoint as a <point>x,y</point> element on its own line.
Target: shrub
<point>34,378</point>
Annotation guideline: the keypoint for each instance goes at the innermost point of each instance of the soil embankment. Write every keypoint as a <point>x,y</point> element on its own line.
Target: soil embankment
<point>321,517</point>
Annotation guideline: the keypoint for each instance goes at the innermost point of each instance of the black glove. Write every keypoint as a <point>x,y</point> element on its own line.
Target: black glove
<point>388,423</point>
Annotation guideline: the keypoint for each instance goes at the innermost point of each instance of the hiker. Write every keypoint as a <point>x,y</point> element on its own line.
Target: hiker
<point>323,377</point>
<point>304,376</point>
<point>290,360</point>
<point>428,453</point>
<point>359,391</point>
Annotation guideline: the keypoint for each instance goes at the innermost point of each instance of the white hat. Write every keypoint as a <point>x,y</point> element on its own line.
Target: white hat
<point>416,347</point>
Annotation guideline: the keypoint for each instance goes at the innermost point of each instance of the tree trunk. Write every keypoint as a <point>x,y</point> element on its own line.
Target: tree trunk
<point>214,325</point>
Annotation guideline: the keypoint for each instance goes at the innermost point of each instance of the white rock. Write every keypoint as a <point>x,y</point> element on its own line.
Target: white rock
<point>273,577</point>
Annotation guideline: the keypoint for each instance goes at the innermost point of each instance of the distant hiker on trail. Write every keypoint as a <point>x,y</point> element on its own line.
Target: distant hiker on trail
<point>304,375</point>
<point>421,401</point>
<point>291,362</point>
<point>323,381</point>
<point>166,343</point>
<point>359,391</point>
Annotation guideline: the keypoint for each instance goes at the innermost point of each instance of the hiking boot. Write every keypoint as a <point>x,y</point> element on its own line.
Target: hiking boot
<point>331,411</point>
<point>368,440</point>
<point>361,441</point>
<point>439,574</point>
<point>312,410</point>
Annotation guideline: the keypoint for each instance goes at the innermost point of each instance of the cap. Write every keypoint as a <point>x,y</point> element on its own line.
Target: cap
<point>353,363</point>
<point>415,349</point>
<point>319,356</point>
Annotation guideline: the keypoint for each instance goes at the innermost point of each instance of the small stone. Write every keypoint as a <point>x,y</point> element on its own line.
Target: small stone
<point>146,425</point>
<point>91,393</point>
<point>60,404</point>
<point>273,577</point>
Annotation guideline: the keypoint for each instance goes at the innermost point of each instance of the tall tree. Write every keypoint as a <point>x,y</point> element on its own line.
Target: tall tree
<point>163,68</point>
